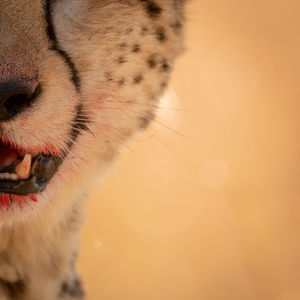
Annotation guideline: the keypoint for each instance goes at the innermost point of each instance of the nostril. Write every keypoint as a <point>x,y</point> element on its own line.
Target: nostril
<point>16,103</point>
<point>14,99</point>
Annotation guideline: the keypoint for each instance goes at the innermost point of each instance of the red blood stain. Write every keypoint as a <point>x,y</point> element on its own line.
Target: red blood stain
<point>33,197</point>
<point>48,149</point>
<point>52,150</point>
<point>17,200</point>
<point>5,199</point>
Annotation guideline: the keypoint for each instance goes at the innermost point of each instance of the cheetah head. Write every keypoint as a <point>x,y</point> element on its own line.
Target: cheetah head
<point>77,78</point>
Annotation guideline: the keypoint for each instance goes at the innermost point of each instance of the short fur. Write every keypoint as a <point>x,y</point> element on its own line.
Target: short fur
<point>101,66</point>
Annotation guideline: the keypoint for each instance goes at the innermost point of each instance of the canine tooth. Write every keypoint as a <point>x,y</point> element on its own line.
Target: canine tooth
<point>23,168</point>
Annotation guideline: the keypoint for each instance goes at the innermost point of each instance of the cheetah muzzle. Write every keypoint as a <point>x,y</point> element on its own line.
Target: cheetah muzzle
<point>78,79</point>
<point>22,172</point>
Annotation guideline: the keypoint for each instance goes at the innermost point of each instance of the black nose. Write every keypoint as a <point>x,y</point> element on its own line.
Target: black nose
<point>14,99</point>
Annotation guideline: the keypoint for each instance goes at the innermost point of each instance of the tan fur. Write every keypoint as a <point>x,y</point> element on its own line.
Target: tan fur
<point>123,56</point>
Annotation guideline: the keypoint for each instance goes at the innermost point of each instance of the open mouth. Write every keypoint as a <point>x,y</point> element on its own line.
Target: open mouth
<point>24,173</point>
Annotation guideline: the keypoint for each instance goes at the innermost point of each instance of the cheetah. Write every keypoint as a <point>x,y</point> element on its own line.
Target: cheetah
<point>77,79</point>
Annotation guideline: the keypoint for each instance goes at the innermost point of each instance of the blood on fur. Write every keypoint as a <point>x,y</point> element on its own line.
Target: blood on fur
<point>7,199</point>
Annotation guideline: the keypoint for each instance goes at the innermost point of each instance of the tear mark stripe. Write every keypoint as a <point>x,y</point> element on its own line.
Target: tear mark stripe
<point>80,120</point>
<point>55,46</point>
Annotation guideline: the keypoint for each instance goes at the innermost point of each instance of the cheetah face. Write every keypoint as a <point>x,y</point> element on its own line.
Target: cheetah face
<point>77,79</point>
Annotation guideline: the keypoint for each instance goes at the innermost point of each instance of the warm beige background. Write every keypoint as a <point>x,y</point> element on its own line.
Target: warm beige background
<point>210,212</point>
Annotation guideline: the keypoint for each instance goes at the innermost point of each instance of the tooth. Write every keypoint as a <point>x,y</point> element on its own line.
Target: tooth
<point>23,168</point>
<point>9,176</point>
<point>14,177</point>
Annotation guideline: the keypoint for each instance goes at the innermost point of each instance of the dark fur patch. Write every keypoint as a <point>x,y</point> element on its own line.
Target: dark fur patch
<point>15,289</point>
<point>108,76</point>
<point>177,27</point>
<point>121,60</point>
<point>165,66</point>
<point>164,84</point>
<point>73,289</point>
<point>152,8</point>
<point>145,121</point>
<point>136,48</point>
<point>121,81</point>
<point>161,34</point>
<point>144,30</point>
<point>138,79</point>
<point>128,30</point>
<point>152,63</point>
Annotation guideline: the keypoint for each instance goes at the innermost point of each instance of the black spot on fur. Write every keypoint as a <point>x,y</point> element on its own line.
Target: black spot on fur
<point>161,34</point>
<point>146,120</point>
<point>121,81</point>
<point>123,45</point>
<point>177,26</point>
<point>128,30</point>
<point>108,76</point>
<point>152,63</point>
<point>121,60</point>
<point>15,289</point>
<point>73,289</point>
<point>152,8</point>
<point>138,79</point>
<point>165,66</point>
<point>144,30</point>
<point>136,48</point>
<point>164,84</point>
<point>55,46</point>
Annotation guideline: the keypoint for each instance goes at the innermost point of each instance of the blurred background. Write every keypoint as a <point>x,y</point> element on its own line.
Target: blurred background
<point>204,205</point>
